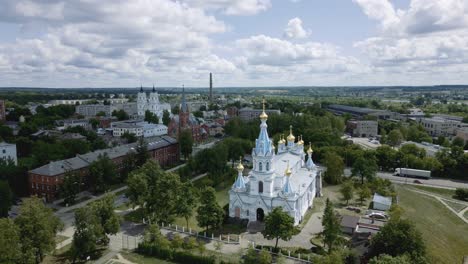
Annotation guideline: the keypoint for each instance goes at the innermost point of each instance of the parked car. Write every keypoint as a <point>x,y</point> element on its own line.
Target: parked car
<point>417,181</point>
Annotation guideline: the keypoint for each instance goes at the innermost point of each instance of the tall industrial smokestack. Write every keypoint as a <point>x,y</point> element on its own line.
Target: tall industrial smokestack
<point>211,88</point>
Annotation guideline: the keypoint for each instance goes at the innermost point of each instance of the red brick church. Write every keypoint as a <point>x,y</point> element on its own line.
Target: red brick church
<point>185,120</point>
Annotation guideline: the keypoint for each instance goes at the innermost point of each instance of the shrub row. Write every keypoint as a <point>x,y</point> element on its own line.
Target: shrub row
<point>461,194</point>
<point>173,255</point>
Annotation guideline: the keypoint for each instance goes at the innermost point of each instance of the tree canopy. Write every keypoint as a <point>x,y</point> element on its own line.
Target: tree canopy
<point>279,225</point>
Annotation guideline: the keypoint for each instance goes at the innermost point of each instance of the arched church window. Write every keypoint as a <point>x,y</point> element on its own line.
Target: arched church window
<point>260,187</point>
<point>268,166</point>
<point>260,166</point>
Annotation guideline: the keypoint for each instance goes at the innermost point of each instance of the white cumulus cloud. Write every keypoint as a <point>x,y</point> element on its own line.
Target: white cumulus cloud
<point>295,30</point>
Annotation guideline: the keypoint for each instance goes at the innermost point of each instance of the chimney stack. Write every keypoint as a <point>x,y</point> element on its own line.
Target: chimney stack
<point>211,88</point>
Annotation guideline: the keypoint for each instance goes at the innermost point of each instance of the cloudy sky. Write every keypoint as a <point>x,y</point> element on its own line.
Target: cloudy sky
<point>122,43</point>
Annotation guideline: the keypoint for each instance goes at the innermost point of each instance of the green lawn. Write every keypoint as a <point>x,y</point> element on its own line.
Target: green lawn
<point>445,235</point>
<point>466,215</point>
<point>140,259</point>
<point>455,206</point>
<point>439,191</point>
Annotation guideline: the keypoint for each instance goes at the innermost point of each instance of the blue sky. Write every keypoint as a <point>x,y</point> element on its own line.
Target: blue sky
<point>108,43</point>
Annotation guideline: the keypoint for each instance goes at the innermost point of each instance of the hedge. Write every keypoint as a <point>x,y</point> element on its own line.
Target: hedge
<point>173,255</point>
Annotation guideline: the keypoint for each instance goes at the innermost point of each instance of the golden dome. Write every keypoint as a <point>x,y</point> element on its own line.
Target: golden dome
<point>281,141</point>
<point>288,171</point>
<point>291,136</point>
<point>240,167</point>
<point>300,142</point>
<point>263,115</point>
<point>309,151</point>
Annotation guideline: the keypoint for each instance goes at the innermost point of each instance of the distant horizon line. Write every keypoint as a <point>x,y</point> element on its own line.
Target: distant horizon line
<point>242,87</point>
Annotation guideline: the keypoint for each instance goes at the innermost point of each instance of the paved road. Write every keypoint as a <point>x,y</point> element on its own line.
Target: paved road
<point>434,182</point>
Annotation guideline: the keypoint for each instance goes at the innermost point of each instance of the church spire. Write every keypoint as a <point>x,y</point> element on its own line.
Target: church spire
<point>263,142</point>
<point>287,188</point>
<point>240,182</point>
<point>141,88</point>
<point>310,163</point>
<point>154,90</point>
<point>183,107</point>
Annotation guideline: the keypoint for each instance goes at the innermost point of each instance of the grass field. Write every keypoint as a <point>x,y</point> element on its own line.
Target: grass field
<point>455,206</point>
<point>445,235</point>
<point>135,258</point>
<point>439,191</point>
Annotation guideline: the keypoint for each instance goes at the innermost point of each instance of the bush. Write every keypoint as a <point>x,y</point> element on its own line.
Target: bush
<point>461,194</point>
<point>176,256</point>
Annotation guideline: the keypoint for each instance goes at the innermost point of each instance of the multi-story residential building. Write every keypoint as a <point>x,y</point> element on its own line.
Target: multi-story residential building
<point>138,128</point>
<point>45,181</point>
<point>362,128</point>
<point>8,152</point>
<point>2,111</point>
<point>247,114</point>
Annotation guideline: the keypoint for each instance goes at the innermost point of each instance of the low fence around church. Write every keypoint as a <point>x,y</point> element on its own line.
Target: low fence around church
<point>228,239</point>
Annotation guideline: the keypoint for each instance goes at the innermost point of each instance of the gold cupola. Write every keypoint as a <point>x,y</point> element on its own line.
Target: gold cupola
<point>263,115</point>
<point>288,171</point>
<point>240,167</point>
<point>291,136</point>
<point>309,150</point>
<point>300,142</point>
<point>281,141</point>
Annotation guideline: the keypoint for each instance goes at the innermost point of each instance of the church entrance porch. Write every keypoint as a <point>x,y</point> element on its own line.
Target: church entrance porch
<point>260,214</point>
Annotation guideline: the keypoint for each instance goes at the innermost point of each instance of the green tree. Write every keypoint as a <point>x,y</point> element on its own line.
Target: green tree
<point>457,141</point>
<point>70,187</point>
<point>386,157</point>
<point>156,191</point>
<point>94,123</point>
<point>365,168</point>
<point>264,257</point>
<point>331,227</point>
<point>120,114</point>
<point>209,213</point>
<point>6,198</point>
<point>394,138</point>
<point>151,117</point>
<point>129,137</point>
<point>175,110</point>
<point>102,173</point>
<point>88,231</point>
<point>153,236</point>
<point>141,154</point>
<point>251,257</point>
<point>10,244</point>
<point>279,224</point>
<point>187,201</point>
<point>166,118</point>
<point>335,168</point>
<point>185,143</point>
<point>364,192</point>
<point>108,219</point>
<point>347,191</point>
<point>38,226</point>
<point>387,259</point>
<point>396,238</point>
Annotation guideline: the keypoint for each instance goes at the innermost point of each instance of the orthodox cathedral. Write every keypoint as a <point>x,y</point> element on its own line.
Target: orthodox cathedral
<point>151,103</point>
<point>282,177</point>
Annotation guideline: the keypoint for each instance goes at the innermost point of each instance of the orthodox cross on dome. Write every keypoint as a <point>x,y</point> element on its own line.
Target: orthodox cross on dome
<point>287,188</point>
<point>263,115</point>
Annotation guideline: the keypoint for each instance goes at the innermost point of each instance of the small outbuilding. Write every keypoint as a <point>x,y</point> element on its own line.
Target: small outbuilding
<point>348,224</point>
<point>381,203</point>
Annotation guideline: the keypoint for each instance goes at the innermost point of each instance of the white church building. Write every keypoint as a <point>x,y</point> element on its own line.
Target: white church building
<point>151,103</point>
<point>279,178</point>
